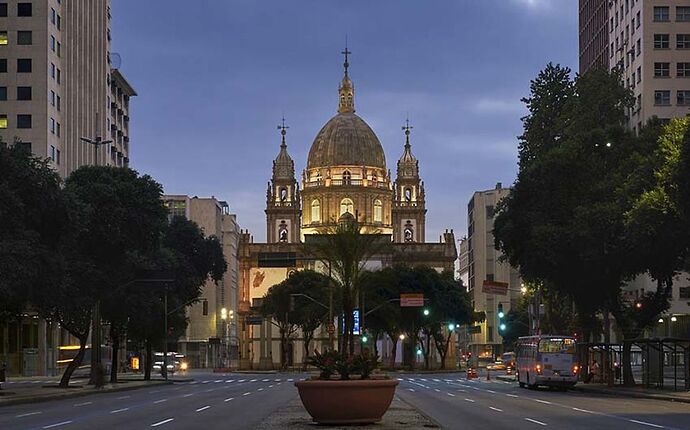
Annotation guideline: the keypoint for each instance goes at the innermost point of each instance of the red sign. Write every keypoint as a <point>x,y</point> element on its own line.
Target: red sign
<point>411,300</point>
<point>494,287</point>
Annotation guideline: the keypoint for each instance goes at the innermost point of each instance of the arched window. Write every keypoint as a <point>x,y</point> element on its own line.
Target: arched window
<point>408,232</point>
<point>378,211</point>
<point>283,194</point>
<point>315,211</point>
<point>408,194</point>
<point>346,205</point>
<point>347,177</point>
<point>374,179</point>
<point>283,232</point>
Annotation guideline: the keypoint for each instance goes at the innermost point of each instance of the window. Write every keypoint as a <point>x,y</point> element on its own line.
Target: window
<point>204,307</point>
<point>684,293</point>
<point>283,194</point>
<point>52,15</point>
<point>489,211</point>
<point>408,232</point>
<point>408,194</point>
<point>3,121</point>
<point>662,97</point>
<point>52,70</point>
<point>59,22</point>
<point>347,177</point>
<point>3,93</point>
<point>3,9</point>
<point>638,20</point>
<point>315,211</point>
<point>57,156</point>
<point>661,41</point>
<point>639,74</point>
<point>346,205</point>
<point>52,152</point>
<point>639,47</point>
<point>378,211</point>
<point>3,38</point>
<point>661,13</point>
<point>23,121</point>
<point>683,98</point>
<point>683,70</point>
<point>25,146</point>
<point>3,65</point>
<point>683,13</point>
<point>24,38</point>
<point>52,125</point>
<point>58,76</point>
<point>52,98</point>
<point>59,49</point>
<point>283,232</point>
<point>24,9</point>
<point>57,130</point>
<point>23,65</point>
<point>52,43</point>
<point>23,93</point>
<point>58,103</point>
<point>662,70</point>
<point>682,41</point>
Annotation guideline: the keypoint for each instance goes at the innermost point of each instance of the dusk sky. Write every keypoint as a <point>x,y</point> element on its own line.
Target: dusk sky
<point>215,77</point>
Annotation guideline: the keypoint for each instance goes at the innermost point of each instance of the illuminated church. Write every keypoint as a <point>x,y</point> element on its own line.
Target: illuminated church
<point>346,172</point>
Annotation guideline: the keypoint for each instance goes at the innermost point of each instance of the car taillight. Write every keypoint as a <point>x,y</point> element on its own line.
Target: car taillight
<point>538,368</point>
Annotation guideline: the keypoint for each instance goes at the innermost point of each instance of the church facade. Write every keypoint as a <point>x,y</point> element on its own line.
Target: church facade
<point>346,172</point>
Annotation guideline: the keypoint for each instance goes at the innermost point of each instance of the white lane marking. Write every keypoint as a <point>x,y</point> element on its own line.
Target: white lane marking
<point>57,424</point>
<point>187,395</point>
<point>492,392</point>
<point>228,399</point>
<point>28,414</point>
<point>290,380</point>
<point>123,397</point>
<point>154,391</point>
<point>400,379</point>
<point>436,380</point>
<point>495,409</point>
<point>205,382</point>
<point>410,379</point>
<point>469,400</point>
<point>260,389</point>
<point>202,408</point>
<point>82,404</point>
<point>270,386</point>
<point>279,383</point>
<point>583,410</point>
<point>647,424</point>
<point>276,380</point>
<point>264,380</point>
<point>241,380</point>
<point>119,410</point>
<point>542,401</point>
<point>422,379</point>
<point>230,380</point>
<point>160,401</point>
<point>410,389</point>
<point>512,395</point>
<point>535,421</point>
<point>451,394</point>
<point>253,380</point>
<point>437,390</point>
<point>462,391</point>
<point>160,423</point>
<point>218,380</point>
<point>209,390</point>
<point>247,393</point>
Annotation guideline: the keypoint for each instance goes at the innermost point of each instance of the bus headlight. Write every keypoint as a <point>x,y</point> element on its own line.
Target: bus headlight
<point>183,365</point>
<point>538,368</point>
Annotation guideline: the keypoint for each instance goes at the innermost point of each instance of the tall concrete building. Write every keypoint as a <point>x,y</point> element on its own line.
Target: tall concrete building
<point>211,339</point>
<point>484,264</point>
<point>594,37</point>
<point>57,83</point>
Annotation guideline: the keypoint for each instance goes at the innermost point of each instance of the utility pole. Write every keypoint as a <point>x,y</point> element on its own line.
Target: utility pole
<point>96,312</point>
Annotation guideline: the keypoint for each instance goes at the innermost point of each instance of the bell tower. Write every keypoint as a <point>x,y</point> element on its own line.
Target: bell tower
<point>283,210</point>
<point>409,208</point>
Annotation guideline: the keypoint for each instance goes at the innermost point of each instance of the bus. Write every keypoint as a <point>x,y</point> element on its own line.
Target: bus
<point>545,360</point>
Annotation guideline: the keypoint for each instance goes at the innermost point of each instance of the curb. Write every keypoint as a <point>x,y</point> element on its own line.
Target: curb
<point>506,378</point>
<point>420,412</point>
<point>60,396</point>
<point>627,393</point>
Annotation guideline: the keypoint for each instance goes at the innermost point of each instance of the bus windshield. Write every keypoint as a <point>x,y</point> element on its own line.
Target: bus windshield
<point>564,346</point>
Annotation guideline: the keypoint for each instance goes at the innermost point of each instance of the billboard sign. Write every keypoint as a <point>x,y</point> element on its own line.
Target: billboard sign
<point>495,287</point>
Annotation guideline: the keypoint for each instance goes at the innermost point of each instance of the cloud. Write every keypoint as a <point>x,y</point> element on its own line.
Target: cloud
<point>535,4</point>
<point>490,105</point>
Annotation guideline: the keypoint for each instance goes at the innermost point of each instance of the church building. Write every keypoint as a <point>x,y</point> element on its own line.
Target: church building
<point>346,172</point>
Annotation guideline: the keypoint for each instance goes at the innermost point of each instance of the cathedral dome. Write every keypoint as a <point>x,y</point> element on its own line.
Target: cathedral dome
<point>346,140</point>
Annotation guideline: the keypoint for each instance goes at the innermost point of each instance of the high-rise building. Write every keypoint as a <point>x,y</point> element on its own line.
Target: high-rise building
<point>211,338</point>
<point>649,42</point>
<point>57,83</point>
<point>484,265</point>
<point>594,37</point>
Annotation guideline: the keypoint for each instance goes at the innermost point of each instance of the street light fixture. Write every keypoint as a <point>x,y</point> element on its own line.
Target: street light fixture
<point>674,319</point>
<point>451,326</point>
<point>426,312</point>
<point>401,337</point>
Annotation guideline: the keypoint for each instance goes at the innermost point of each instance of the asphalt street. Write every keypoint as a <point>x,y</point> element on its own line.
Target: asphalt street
<point>458,403</point>
<point>242,401</point>
<point>211,401</point>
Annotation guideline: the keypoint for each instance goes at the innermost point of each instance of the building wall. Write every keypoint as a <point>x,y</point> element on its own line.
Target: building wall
<point>593,19</point>
<point>484,264</point>
<point>632,30</point>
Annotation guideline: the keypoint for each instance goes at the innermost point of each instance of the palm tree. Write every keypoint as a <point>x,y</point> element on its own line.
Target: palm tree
<point>346,250</point>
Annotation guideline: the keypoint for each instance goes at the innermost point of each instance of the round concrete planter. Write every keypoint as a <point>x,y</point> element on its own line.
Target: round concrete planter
<point>347,402</point>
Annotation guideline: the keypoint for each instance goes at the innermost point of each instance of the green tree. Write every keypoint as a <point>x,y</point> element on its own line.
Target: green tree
<point>381,289</point>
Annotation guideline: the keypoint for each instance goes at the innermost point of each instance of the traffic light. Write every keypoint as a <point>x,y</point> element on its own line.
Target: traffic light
<point>501,315</point>
<point>500,311</point>
<point>426,312</point>
<point>364,339</point>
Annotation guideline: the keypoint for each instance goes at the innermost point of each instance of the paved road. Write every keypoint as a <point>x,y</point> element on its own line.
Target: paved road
<point>457,403</point>
<point>211,401</point>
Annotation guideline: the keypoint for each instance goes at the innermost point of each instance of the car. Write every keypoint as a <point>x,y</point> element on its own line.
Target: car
<point>496,365</point>
<point>472,373</point>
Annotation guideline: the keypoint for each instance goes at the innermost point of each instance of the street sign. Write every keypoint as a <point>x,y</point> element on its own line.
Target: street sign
<point>411,300</point>
<point>355,317</point>
<point>474,329</point>
<point>254,320</point>
<point>495,287</point>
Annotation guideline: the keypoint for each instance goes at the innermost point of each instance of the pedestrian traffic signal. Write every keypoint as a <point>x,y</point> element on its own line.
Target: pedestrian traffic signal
<point>500,311</point>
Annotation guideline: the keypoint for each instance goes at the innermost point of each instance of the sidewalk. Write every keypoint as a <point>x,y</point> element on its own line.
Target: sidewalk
<point>637,392</point>
<point>401,415</point>
<point>40,389</point>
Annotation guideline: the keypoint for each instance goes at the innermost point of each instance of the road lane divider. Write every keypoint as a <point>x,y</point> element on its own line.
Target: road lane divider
<point>535,421</point>
<point>228,399</point>
<point>495,409</point>
<point>203,408</point>
<point>469,400</point>
<point>647,424</point>
<point>28,414</point>
<point>160,423</point>
<point>63,423</point>
<point>117,411</point>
